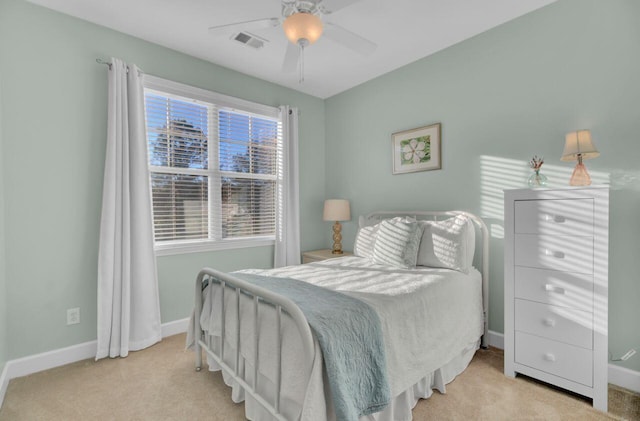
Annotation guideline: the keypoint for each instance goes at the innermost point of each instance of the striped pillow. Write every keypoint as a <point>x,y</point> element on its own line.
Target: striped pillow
<point>365,241</point>
<point>448,244</point>
<point>397,243</point>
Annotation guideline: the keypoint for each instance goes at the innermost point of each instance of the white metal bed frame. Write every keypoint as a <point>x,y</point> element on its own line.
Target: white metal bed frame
<point>282,303</point>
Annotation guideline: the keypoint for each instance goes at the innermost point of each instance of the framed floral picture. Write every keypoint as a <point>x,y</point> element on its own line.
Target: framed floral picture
<point>416,149</point>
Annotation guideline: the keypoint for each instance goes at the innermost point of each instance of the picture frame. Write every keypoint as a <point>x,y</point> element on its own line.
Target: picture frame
<point>416,149</point>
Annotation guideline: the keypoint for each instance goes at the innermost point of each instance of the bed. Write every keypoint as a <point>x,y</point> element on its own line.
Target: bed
<point>432,320</point>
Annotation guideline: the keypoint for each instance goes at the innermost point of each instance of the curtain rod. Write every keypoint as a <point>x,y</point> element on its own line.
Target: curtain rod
<point>110,65</point>
<point>106,63</point>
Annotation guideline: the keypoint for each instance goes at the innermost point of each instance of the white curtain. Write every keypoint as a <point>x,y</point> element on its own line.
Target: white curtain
<point>287,249</point>
<point>128,301</point>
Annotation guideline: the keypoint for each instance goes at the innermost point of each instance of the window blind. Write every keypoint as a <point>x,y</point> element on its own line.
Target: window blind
<point>213,169</point>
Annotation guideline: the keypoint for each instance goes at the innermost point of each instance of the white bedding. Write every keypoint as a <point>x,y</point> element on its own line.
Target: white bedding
<point>430,317</point>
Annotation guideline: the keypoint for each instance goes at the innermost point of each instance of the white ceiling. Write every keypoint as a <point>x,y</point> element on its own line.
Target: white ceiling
<point>404,30</point>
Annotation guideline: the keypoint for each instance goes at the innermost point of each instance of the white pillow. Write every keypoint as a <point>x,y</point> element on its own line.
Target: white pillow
<point>397,242</point>
<point>448,244</point>
<point>365,240</point>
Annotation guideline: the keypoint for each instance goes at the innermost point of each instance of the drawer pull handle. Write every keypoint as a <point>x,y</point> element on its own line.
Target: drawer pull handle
<point>550,357</point>
<point>559,219</point>
<point>556,254</point>
<point>553,288</point>
<point>549,322</point>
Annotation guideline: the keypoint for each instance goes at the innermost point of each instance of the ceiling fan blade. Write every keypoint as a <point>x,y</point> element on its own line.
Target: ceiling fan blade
<point>349,39</point>
<point>291,57</point>
<point>250,25</point>
<point>331,6</point>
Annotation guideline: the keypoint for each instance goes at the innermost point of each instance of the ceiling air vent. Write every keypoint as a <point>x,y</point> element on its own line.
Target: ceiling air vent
<point>249,40</point>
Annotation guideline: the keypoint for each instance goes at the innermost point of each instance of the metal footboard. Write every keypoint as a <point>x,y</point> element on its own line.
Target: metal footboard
<point>259,295</point>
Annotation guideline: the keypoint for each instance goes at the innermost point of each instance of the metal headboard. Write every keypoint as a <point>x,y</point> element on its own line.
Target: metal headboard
<point>481,228</point>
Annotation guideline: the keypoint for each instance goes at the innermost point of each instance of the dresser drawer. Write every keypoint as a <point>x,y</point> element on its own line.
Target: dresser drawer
<point>555,217</point>
<point>557,252</point>
<point>561,324</point>
<point>565,289</point>
<point>562,360</point>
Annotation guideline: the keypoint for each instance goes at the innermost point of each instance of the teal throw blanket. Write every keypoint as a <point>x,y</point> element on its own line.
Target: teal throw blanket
<point>350,336</point>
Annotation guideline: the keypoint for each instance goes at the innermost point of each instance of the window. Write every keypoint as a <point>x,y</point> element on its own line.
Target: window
<point>213,162</point>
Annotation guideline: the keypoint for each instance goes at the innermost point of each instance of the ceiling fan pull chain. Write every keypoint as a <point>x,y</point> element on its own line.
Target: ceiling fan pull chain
<point>301,44</point>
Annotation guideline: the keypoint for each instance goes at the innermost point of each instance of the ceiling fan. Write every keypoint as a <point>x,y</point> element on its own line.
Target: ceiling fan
<point>302,23</point>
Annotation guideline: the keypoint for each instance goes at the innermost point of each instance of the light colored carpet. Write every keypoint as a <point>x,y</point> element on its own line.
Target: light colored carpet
<point>160,383</point>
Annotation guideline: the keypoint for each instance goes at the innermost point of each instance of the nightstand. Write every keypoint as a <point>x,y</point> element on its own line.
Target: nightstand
<point>324,254</point>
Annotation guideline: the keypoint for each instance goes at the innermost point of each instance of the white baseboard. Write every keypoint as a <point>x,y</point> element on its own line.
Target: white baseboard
<point>624,377</point>
<point>496,339</point>
<point>620,376</point>
<point>34,363</point>
<point>175,327</point>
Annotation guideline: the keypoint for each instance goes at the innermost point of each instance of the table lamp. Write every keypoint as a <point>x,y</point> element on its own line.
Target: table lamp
<point>336,210</point>
<point>578,146</point>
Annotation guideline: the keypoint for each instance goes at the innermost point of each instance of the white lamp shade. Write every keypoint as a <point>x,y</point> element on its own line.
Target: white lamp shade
<point>579,143</point>
<point>336,210</point>
<point>302,26</point>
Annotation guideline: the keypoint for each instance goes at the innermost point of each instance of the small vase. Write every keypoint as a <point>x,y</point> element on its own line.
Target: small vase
<point>537,180</point>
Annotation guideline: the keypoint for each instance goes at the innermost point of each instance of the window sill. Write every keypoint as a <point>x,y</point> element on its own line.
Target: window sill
<point>204,246</point>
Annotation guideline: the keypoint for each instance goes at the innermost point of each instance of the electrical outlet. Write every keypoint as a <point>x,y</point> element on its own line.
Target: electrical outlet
<point>73,316</point>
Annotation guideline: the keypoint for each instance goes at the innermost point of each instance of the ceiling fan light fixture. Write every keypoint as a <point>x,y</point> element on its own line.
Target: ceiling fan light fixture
<point>302,26</point>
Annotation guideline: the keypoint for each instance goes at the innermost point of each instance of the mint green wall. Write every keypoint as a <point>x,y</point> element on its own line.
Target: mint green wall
<point>54,140</point>
<point>502,97</point>
<point>3,279</point>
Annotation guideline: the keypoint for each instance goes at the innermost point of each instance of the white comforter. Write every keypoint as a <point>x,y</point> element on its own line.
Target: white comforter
<point>429,316</point>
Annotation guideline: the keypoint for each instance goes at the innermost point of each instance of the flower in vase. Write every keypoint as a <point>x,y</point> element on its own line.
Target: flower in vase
<point>536,162</point>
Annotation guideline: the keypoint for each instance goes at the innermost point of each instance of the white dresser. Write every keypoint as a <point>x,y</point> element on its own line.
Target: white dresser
<point>556,287</point>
